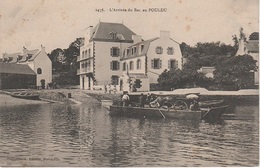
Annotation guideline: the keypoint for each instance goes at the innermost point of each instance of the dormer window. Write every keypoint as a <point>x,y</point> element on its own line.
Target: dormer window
<point>142,48</point>
<point>133,50</point>
<point>127,51</point>
<point>113,35</point>
<point>29,56</point>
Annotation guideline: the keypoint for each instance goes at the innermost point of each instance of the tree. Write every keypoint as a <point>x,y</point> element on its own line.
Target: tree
<point>68,71</point>
<point>236,72</point>
<point>206,54</point>
<point>254,36</point>
<point>176,78</point>
<point>73,51</point>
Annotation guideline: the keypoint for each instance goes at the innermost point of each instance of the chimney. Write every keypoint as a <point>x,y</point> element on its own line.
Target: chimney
<point>164,34</point>
<point>25,51</point>
<point>42,48</point>
<point>136,38</point>
<point>88,34</point>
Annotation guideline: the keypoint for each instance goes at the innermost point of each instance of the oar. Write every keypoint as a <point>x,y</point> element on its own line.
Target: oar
<point>160,112</point>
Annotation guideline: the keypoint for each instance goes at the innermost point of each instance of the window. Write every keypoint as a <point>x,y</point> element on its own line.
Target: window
<point>113,35</point>
<point>114,65</point>
<point>142,48</point>
<point>114,80</point>
<point>138,64</point>
<point>133,50</point>
<point>131,64</point>
<point>156,63</point>
<point>89,53</point>
<point>159,50</point>
<point>86,53</point>
<point>124,66</point>
<point>170,50</point>
<point>39,71</point>
<point>83,53</point>
<point>172,64</point>
<point>127,51</point>
<point>114,51</point>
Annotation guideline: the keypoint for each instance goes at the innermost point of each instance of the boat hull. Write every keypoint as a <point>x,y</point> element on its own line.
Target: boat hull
<point>154,113</point>
<point>28,96</point>
<point>211,114</point>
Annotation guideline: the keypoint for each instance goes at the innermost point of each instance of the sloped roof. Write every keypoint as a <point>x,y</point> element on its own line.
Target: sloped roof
<point>103,30</point>
<point>12,57</point>
<point>32,53</point>
<point>16,69</point>
<point>252,46</point>
<point>145,43</point>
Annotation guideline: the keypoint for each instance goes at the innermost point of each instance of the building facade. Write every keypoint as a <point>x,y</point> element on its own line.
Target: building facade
<point>146,60</point>
<point>37,60</point>
<point>113,54</point>
<point>100,56</point>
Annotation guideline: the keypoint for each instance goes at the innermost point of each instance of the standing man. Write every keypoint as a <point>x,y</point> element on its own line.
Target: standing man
<point>141,100</point>
<point>125,99</point>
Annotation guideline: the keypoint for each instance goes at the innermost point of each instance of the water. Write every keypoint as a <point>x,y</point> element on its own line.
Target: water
<point>62,135</point>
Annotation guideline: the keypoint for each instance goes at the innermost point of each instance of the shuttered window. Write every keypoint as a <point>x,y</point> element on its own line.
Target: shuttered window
<point>156,63</point>
<point>159,50</point>
<point>114,65</point>
<point>170,50</point>
<point>172,64</point>
<point>114,51</point>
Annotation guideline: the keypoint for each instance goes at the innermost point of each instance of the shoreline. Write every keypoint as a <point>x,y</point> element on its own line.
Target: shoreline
<point>86,96</point>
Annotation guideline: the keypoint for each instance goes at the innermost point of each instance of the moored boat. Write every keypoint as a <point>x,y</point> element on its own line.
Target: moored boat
<point>185,114</point>
<point>26,95</point>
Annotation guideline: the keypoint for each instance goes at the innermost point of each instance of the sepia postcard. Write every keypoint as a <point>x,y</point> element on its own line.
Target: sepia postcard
<point>129,83</point>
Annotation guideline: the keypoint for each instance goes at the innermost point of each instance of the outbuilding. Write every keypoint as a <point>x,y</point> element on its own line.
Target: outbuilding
<point>16,76</point>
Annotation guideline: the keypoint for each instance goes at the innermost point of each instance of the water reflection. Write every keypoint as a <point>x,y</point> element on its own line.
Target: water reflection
<point>62,135</point>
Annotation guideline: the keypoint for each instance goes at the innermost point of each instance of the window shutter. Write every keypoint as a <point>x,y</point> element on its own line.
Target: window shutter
<point>176,64</point>
<point>118,65</point>
<point>152,64</point>
<point>111,51</point>
<point>160,66</point>
<point>111,65</point>
<point>118,50</point>
<point>169,64</point>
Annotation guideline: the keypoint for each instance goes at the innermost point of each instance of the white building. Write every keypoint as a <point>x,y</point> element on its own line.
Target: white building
<point>37,60</point>
<point>250,47</point>
<point>100,56</point>
<point>112,54</point>
<point>146,60</point>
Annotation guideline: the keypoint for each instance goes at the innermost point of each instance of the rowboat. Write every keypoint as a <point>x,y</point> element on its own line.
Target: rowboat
<point>214,113</point>
<point>26,95</point>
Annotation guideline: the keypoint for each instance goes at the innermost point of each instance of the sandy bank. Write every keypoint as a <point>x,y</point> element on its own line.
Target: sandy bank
<point>7,100</point>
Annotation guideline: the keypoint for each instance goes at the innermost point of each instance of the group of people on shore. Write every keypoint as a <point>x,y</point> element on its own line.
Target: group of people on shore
<point>110,89</point>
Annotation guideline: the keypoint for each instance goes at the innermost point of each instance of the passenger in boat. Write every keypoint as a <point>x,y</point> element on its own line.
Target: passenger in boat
<point>148,98</point>
<point>141,100</point>
<point>125,99</point>
<point>194,105</point>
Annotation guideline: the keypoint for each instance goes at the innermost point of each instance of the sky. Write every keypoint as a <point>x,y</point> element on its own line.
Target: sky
<point>55,24</point>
